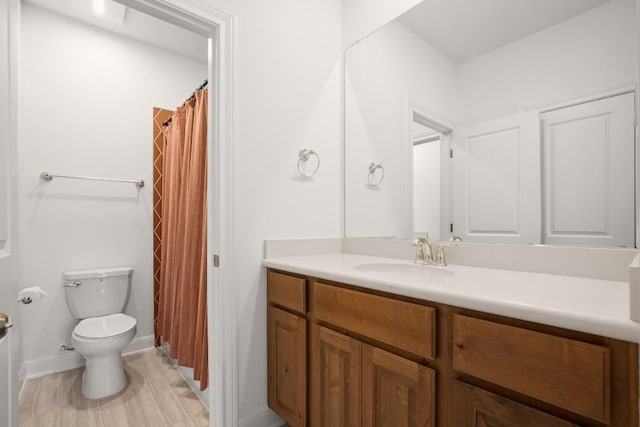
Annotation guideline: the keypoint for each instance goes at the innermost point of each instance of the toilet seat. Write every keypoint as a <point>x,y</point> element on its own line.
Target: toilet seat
<point>104,327</point>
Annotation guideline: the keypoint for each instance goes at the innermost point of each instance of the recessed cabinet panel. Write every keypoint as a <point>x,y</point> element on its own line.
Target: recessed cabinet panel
<point>496,180</point>
<point>402,324</point>
<point>590,202</point>
<point>567,373</point>
<point>288,366</point>
<point>477,407</point>
<point>395,391</point>
<point>335,379</point>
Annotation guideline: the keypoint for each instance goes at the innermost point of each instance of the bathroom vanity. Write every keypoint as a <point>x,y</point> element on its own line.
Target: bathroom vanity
<point>361,340</point>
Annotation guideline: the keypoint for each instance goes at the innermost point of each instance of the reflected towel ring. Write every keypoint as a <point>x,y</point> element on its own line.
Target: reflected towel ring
<point>303,156</point>
<point>373,180</point>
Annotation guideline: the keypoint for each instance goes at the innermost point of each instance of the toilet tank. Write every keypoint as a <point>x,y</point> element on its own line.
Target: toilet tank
<point>97,292</point>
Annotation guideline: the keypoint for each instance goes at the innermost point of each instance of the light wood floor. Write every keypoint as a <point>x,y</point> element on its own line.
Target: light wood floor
<point>156,396</point>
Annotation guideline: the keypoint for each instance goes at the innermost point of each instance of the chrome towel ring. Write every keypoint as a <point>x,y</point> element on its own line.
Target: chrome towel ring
<point>303,156</point>
<point>375,178</point>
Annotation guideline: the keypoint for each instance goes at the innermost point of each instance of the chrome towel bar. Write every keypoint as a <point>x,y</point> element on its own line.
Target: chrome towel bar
<point>46,176</point>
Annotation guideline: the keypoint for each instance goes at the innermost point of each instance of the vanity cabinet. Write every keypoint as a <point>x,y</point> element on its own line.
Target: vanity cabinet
<point>287,348</point>
<point>564,372</point>
<point>354,384</point>
<point>336,378</point>
<point>396,391</point>
<point>477,407</point>
<point>341,355</point>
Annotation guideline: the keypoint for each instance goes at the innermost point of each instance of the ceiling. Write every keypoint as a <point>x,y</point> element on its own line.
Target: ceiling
<point>463,29</point>
<point>131,23</point>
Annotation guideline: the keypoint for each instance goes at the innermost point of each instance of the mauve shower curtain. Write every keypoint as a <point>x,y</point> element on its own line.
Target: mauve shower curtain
<point>182,305</point>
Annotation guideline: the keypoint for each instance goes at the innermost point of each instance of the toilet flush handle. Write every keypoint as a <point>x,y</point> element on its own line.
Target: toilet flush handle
<point>72,285</point>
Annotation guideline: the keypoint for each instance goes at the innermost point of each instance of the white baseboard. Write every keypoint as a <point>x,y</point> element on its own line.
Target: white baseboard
<point>22,379</point>
<point>264,417</point>
<point>139,344</point>
<point>71,360</point>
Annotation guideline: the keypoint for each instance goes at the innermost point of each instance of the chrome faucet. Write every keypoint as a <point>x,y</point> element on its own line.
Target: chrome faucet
<point>424,251</point>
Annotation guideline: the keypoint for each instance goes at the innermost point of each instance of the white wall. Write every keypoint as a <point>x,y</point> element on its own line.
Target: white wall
<point>287,96</point>
<point>592,50</point>
<point>86,99</point>
<point>386,73</point>
<point>362,17</point>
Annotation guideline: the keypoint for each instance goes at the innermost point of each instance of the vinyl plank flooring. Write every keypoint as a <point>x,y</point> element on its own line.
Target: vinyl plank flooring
<point>156,396</point>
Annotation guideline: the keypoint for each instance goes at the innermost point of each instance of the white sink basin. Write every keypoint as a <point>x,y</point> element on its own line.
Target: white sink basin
<point>412,269</point>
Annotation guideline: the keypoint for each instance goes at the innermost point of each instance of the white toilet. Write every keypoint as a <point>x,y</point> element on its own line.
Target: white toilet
<point>98,297</point>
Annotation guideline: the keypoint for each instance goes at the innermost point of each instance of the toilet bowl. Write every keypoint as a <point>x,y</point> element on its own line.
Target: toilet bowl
<point>98,298</point>
<point>100,340</point>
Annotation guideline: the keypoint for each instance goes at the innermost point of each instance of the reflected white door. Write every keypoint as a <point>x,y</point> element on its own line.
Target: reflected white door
<point>589,173</point>
<point>8,343</point>
<point>496,180</point>
<point>426,187</point>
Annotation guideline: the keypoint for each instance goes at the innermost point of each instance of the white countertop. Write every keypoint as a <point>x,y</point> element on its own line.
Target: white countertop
<point>594,306</point>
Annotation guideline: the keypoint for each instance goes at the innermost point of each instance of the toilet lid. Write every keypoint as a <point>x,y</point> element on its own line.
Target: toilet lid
<point>105,326</point>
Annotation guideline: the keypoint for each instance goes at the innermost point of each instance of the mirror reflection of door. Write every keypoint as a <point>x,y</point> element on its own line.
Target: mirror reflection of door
<point>429,153</point>
<point>426,181</point>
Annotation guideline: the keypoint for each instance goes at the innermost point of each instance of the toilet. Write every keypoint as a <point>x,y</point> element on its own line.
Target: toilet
<point>98,298</point>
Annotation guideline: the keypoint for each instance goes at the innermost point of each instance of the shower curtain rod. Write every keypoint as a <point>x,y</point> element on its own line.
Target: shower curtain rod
<point>193,95</point>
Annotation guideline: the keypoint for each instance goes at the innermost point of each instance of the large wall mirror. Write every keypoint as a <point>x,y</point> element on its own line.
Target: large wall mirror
<point>503,121</point>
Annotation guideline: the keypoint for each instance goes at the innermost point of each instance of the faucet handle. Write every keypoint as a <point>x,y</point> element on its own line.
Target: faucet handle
<point>423,251</point>
<point>418,241</point>
<point>441,258</point>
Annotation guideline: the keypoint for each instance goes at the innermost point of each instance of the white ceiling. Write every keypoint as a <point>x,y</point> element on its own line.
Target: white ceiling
<point>131,23</point>
<point>463,29</point>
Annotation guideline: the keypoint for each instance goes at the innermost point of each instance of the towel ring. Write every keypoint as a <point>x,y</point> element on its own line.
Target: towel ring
<point>373,181</point>
<point>303,156</point>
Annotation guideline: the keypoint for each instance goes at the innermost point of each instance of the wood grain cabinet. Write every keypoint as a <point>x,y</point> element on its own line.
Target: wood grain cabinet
<point>396,391</point>
<point>476,407</point>
<point>336,379</point>
<point>287,348</point>
<point>356,384</point>
<point>346,356</point>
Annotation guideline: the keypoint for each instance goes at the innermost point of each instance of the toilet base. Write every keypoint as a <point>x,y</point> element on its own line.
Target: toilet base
<point>103,376</point>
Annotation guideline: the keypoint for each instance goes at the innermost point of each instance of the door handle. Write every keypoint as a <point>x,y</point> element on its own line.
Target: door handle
<point>4,324</point>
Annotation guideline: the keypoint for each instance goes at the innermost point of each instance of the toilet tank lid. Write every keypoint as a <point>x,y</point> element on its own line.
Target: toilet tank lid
<point>97,273</point>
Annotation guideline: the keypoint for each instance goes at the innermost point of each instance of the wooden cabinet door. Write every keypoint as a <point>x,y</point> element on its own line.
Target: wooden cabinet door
<point>477,407</point>
<point>287,354</point>
<point>396,392</point>
<point>335,379</point>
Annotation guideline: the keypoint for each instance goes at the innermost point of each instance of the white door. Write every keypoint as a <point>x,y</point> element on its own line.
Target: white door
<point>496,180</point>
<point>589,173</point>
<point>8,305</point>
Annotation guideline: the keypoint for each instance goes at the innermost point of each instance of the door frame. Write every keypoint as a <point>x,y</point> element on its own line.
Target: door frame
<point>9,34</point>
<point>219,27</point>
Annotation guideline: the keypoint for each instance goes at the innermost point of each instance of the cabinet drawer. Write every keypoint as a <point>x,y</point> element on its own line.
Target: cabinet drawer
<point>287,291</point>
<point>401,324</point>
<point>567,373</point>
<point>477,407</point>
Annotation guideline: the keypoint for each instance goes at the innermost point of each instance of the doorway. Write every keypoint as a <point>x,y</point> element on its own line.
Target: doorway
<point>217,26</point>
<point>429,139</point>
